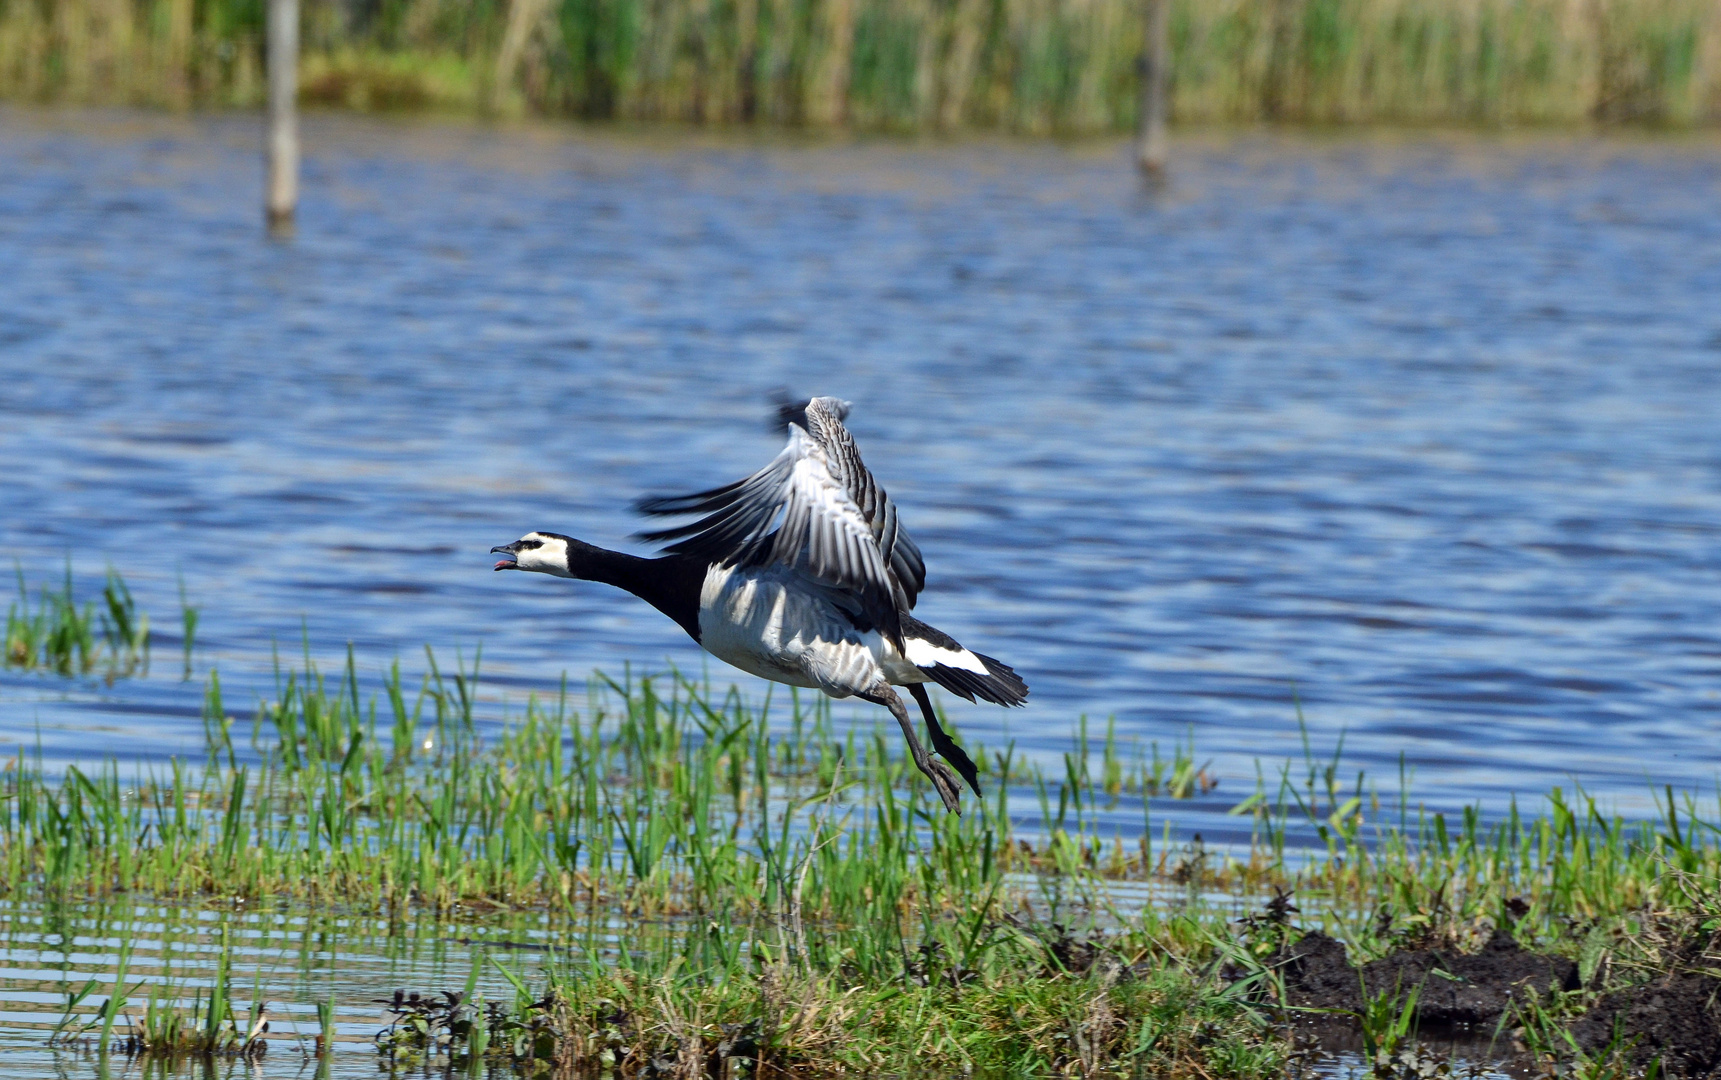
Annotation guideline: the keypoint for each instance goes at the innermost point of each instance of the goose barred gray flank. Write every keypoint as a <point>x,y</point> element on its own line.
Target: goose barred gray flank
<point>802,574</point>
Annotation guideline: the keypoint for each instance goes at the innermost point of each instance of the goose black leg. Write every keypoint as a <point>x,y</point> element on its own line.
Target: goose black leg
<point>942,743</point>
<point>942,778</point>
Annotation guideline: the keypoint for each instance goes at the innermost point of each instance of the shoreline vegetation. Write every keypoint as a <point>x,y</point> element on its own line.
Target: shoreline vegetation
<point>1029,66</point>
<point>731,887</point>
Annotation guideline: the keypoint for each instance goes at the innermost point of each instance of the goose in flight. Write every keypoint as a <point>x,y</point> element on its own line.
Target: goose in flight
<point>802,574</point>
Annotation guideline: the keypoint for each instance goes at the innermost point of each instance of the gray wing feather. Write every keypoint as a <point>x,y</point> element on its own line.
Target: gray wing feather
<point>814,508</point>
<point>824,417</point>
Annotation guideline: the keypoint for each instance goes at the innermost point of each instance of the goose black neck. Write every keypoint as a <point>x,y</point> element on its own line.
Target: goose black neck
<point>670,584</point>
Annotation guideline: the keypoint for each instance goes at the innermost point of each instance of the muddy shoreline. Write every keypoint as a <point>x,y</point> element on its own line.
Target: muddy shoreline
<point>1495,993</point>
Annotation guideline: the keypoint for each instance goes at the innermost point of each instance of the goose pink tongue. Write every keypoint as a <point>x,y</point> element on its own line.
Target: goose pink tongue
<point>503,564</point>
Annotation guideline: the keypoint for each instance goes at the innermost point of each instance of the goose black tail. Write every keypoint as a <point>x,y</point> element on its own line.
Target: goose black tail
<point>1000,685</point>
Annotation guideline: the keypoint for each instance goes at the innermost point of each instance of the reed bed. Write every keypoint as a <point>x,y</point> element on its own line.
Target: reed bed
<point>907,65</point>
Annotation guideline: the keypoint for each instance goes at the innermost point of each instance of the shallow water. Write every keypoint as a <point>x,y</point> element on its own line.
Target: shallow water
<point>291,959</point>
<point>1417,432</point>
<point>288,959</point>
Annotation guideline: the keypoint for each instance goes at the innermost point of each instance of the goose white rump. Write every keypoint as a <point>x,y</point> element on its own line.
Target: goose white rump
<point>770,623</point>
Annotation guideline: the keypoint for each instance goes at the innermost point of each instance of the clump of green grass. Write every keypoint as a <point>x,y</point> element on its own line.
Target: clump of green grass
<point>188,616</point>
<point>208,1029</point>
<point>1175,777</point>
<point>1009,1008</point>
<point>1541,1023</point>
<point>56,634</point>
<point>803,888</point>
<point>1388,1024</point>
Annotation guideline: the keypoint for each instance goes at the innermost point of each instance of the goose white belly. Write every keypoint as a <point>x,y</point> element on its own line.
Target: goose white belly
<point>773,623</point>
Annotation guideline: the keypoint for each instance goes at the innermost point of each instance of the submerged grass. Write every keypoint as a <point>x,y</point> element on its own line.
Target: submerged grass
<point>162,1016</point>
<point>724,878</point>
<point>1019,65</point>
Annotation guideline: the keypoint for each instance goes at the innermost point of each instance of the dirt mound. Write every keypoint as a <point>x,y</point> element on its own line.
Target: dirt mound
<point>1318,974</point>
<point>1457,989</point>
<point>1676,1018</point>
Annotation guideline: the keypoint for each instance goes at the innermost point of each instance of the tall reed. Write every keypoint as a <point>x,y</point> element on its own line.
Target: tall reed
<point>1018,65</point>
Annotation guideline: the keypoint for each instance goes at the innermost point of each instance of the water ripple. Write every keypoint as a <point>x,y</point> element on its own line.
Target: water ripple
<point>1417,433</point>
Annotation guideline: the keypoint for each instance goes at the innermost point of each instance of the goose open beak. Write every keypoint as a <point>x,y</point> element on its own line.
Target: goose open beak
<point>510,563</point>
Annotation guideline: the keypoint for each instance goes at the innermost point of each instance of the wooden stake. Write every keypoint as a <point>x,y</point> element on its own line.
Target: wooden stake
<point>523,18</point>
<point>282,197</point>
<point>1150,138</point>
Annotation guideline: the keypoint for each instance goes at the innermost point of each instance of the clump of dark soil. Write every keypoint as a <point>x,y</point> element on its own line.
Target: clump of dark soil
<point>1457,989</point>
<point>1676,1018</point>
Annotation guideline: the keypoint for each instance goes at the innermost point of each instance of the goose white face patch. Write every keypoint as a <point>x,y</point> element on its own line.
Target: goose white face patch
<point>925,654</point>
<point>549,557</point>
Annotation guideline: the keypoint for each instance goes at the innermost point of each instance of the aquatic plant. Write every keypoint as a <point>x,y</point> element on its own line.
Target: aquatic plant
<point>57,635</point>
<point>188,616</point>
<point>208,1028</point>
<point>1388,1024</point>
<point>1032,66</point>
<point>659,797</point>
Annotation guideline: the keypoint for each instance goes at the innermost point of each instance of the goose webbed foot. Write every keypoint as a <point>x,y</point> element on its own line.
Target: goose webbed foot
<point>943,744</point>
<point>949,788</point>
<point>943,780</point>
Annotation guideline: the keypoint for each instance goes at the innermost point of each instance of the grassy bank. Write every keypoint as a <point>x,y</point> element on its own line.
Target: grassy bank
<point>1017,65</point>
<point>722,877</point>
<point>731,878</point>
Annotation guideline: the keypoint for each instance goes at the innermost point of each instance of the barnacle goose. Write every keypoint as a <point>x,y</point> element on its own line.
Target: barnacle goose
<point>802,574</point>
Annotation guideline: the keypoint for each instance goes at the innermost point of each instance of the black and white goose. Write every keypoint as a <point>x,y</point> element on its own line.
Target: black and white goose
<point>801,574</point>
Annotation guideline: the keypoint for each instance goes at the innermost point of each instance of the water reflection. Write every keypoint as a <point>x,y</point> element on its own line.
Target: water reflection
<point>290,959</point>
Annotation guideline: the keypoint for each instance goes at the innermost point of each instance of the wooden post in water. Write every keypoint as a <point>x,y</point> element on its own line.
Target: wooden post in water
<point>1150,139</point>
<point>523,17</point>
<point>282,197</point>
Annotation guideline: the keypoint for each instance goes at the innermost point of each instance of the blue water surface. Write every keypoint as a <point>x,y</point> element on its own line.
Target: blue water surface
<point>1422,433</point>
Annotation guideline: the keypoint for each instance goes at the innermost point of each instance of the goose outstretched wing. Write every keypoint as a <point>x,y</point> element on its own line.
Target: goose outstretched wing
<point>814,508</point>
